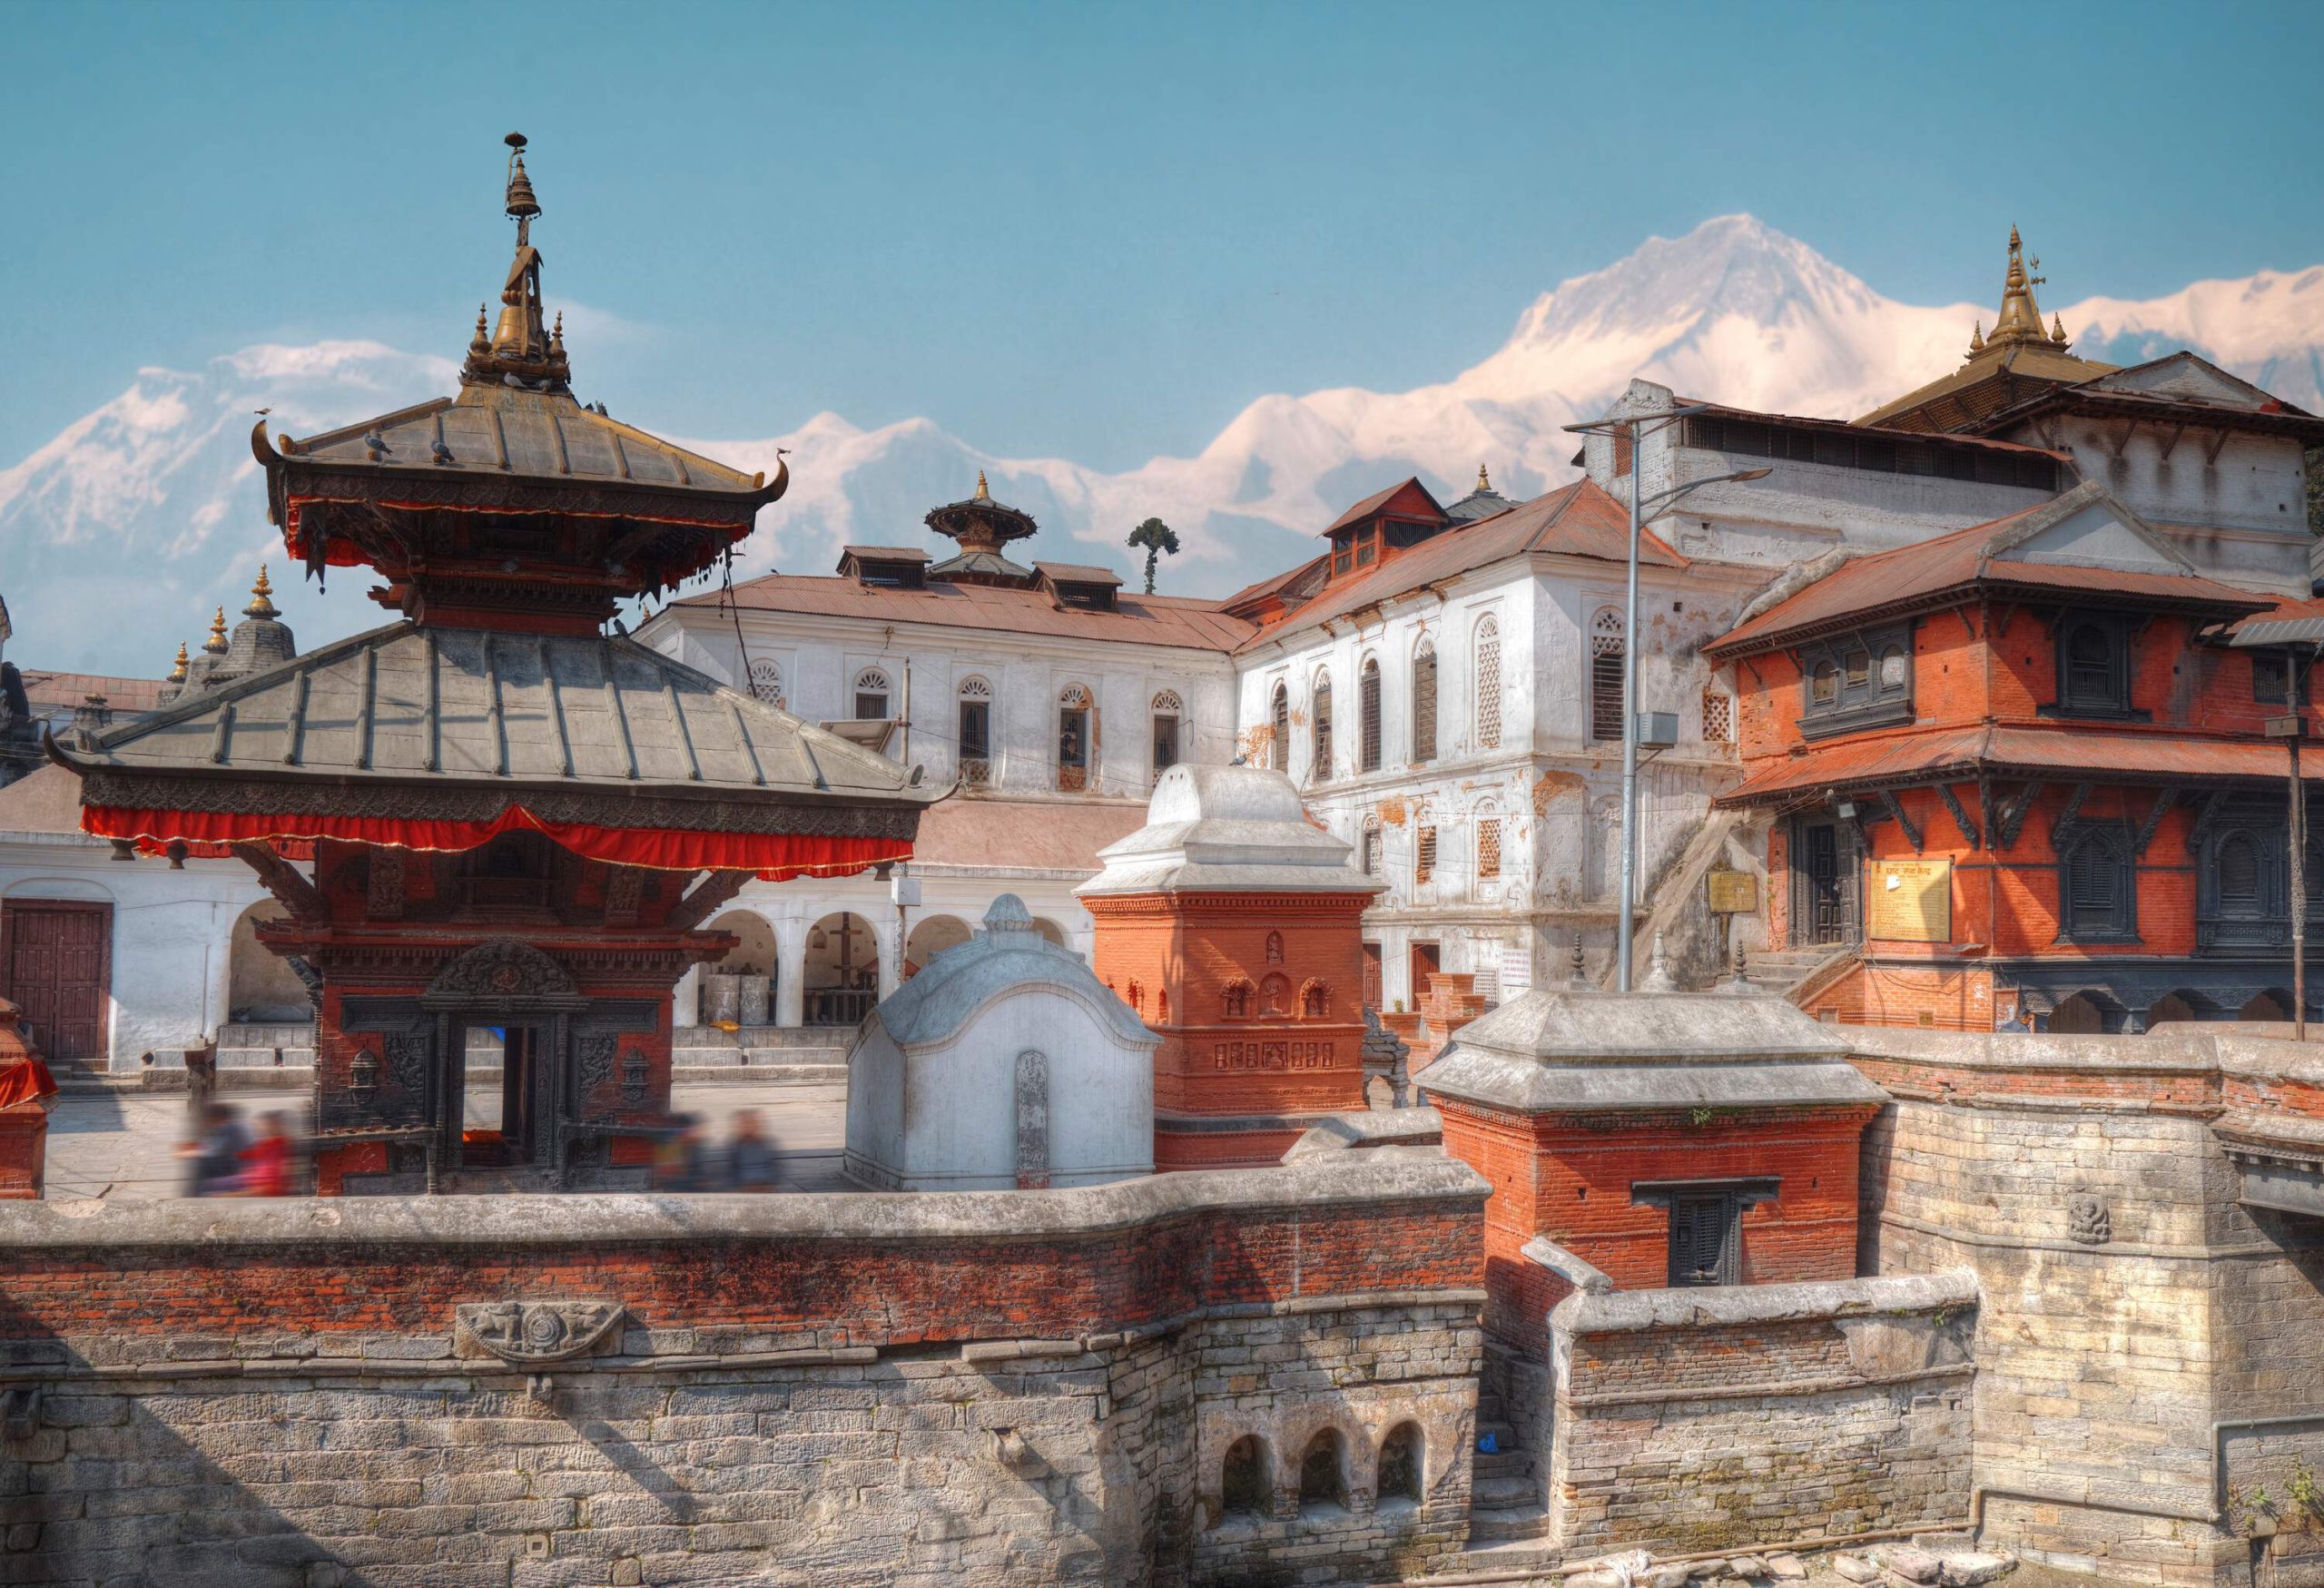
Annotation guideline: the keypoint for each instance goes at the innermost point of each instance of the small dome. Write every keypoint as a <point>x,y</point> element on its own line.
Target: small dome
<point>1009,914</point>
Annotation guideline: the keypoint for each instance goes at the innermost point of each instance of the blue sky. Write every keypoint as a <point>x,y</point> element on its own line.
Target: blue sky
<point>1084,230</point>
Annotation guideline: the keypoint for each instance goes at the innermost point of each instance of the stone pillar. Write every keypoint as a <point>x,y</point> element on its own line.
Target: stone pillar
<point>888,935</point>
<point>685,1003</point>
<point>791,973</point>
<point>222,969</point>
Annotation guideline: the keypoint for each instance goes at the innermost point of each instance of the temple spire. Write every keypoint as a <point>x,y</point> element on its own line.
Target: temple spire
<point>984,491</point>
<point>521,349</point>
<point>1484,481</point>
<point>262,598</point>
<point>177,669</point>
<point>215,645</point>
<point>2020,323</point>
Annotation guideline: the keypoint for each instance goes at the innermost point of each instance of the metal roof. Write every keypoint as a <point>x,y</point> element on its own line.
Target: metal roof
<point>2279,631</point>
<point>1144,620</point>
<point>419,705</point>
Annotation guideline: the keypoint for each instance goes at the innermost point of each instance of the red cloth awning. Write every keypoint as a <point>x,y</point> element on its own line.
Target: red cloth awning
<point>774,856</point>
<point>25,1081</point>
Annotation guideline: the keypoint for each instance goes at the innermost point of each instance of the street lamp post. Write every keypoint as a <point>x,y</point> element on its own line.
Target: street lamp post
<point>1634,427</point>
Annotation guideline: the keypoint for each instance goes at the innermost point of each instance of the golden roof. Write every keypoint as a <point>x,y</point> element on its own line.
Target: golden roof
<point>2013,360</point>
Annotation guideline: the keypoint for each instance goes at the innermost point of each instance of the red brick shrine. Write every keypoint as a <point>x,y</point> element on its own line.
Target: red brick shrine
<point>518,823</point>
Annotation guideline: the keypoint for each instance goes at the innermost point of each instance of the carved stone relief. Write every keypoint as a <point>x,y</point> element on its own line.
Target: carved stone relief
<point>534,1331</point>
<point>2087,1221</point>
<point>1032,1120</point>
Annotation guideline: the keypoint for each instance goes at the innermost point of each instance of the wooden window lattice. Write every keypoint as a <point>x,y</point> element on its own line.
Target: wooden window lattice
<point>1718,717</point>
<point>1424,856</point>
<point>1488,846</point>
<point>1367,707</point>
<point>1489,685</point>
<point>766,682</point>
<point>1322,769</point>
<point>1606,651</point>
<point>1424,703</point>
<point>1279,733</point>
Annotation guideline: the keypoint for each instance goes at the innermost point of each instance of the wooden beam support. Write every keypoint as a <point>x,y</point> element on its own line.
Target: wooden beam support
<point>2073,804</point>
<point>2211,453</point>
<point>2013,813</point>
<point>716,888</point>
<point>2163,804</point>
<point>1961,818</point>
<point>293,891</point>
<point>2170,441</point>
<point>1897,809</point>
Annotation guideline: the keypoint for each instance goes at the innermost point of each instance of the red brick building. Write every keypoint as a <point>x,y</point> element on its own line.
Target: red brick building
<point>2021,767</point>
<point>1666,1139</point>
<point>1233,926</point>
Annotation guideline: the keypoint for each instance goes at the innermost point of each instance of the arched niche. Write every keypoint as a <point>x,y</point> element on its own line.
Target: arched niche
<point>262,989</point>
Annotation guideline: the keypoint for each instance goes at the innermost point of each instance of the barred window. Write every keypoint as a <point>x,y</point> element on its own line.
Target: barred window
<point>870,696</point>
<point>976,732</point>
<point>1168,710</point>
<point>766,682</point>
<point>1424,703</point>
<point>1367,712</point>
<point>1073,739</point>
<point>1606,648</point>
<point>1488,847</point>
<point>1322,767</point>
<point>1371,846</point>
<point>1279,731</point>
<point>1718,717</point>
<point>1424,856</point>
<point>1489,683</point>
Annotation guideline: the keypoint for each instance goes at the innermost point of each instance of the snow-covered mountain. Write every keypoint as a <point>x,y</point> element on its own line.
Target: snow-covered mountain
<point>117,537</point>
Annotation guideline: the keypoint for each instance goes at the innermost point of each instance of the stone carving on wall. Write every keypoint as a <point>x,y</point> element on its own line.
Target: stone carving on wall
<point>527,1332</point>
<point>383,890</point>
<point>1032,1120</point>
<point>595,1052</point>
<point>2087,1220</point>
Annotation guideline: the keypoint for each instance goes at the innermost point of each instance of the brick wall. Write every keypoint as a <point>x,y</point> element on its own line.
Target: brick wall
<point>1709,1419</point>
<point>915,1390</point>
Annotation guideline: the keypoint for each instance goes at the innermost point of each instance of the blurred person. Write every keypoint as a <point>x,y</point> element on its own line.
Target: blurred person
<point>213,1157</point>
<point>267,1161</point>
<point>677,1159</point>
<point>750,1156</point>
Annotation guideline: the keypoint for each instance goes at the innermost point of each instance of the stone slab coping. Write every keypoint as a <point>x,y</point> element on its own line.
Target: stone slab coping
<point>2153,1054</point>
<point>1583,1276</point>
<point>1724,1305</point>
<point>1534,1086</point>
<point>1351,1179</point>
<point>1372,1127</point>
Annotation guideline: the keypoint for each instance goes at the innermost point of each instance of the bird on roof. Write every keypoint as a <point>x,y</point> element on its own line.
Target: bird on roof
<point>443,453</point>
<point>377,443</point>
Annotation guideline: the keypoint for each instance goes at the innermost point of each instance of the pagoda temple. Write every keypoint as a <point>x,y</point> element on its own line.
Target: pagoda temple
<point>518,823</point>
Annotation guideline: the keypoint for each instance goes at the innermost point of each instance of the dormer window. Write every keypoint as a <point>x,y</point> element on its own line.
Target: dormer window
<point>2094,666</point>
<point>1857,681</point>
<point>1355,549</point>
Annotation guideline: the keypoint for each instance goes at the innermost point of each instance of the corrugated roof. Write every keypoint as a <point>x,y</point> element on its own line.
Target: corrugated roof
<point>1379,500</point>
<point>2111,754</point>
<point>1988,382</point>
<point>1078,573</point>
<point>503,431</point>
<point>1937,572</point>
<point>1148,620</point>
<point>438,706</point>
<point>68,689</point>
<point>886,553</point>
<point>1579,519</point>
<point>1856,427</point>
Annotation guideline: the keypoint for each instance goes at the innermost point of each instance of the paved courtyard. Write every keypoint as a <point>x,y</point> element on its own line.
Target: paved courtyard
<point>124,1145</point>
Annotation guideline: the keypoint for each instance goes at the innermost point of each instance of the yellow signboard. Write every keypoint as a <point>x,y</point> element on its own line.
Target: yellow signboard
<point>1912,901</point>
<point>1734,893</point>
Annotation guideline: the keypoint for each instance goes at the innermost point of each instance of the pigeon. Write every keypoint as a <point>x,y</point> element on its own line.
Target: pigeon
<point>377,443</point>
<point>262,412</point>
<point>512,380</point>
<point>443,453</point>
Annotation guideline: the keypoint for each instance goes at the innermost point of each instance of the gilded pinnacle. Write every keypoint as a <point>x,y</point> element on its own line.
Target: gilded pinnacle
<point>262,598</point>
<point>1484,481</point>
<point>177,671</point>
<point>216,644</point>
<point>984,492</point>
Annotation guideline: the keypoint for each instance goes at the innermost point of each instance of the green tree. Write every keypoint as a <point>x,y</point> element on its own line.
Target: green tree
<point>1159,541</point>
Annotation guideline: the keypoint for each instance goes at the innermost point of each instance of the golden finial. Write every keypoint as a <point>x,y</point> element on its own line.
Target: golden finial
<point>2020,321</point>
<point>262,598</point>
<point>2058,329</point>
<point>216,644</point>
<point>177,673</point>
<point>1484,482</point>
<point>1976,337</point>
<point>984,492</point>
<point>480,344</point>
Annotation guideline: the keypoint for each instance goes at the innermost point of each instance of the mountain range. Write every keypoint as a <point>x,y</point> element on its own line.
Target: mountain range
<point>120,534</point>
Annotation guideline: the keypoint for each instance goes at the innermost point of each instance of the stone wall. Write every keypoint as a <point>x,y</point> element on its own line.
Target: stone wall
<point>2151,1350</point>
<point>1707,1419</point>
<point>839,1389</point>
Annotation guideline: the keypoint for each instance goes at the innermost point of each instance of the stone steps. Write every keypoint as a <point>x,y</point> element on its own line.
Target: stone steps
<point>1504,1492</point>
<point>759,1072</point>
<point>1498,1534</point>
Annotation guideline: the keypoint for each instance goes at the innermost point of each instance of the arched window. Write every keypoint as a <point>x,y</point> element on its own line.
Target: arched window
<point>976,732</point>
<point>2094,666</point>
<point>1274,994</point>
<point>1320,767</point>
<point>1606,648</point>
<point>766,680</point>
<point>870,696</point>
<point>1167,715</point>
<point>1488,842</point>
<point>1279,730</point>
<point>1316,1001</point>
<point>1895,671</point>
<point>1073,739</point>
<point>1489,683</point>
<point>1423,704</point>
<point>1244,1486</point>
<point>1402,1462</point>
<point>2239,874</point>
<point>1323,1470</point>
<point>1235,999</point>
<point>1824,683</point>
<point>1371,846</point>
<point>1367,713</point>
<point>1274,948</point>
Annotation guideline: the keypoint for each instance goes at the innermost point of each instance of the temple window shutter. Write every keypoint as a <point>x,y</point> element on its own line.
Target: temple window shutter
<point>870,696</point>
<point>1368,706</point>
<point>1322,767</point>
<point>1424,856</point>
<point>1488,846</point>
<point>1488,674</point>
<point>1718,717</point>
<point>1279,731</point>
<point>1704,1240</point>
<point>2239,874</point>
<point>1606,649</point>
<point>1424,703</point>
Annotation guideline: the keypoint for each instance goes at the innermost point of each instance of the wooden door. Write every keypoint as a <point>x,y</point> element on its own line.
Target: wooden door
<point>1706,1240</point>
<point>1426,962</point>
<point>1372,976</point>
<point>56,959</point>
